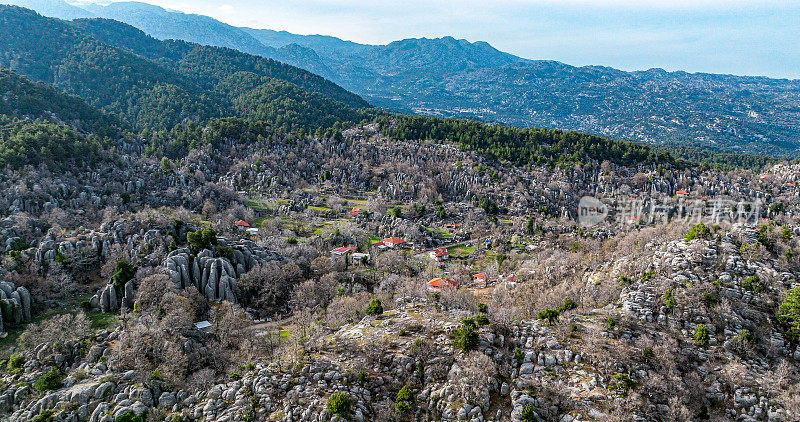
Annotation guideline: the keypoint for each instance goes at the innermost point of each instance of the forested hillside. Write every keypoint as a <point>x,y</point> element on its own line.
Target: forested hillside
<point>23,98</point>
<point>527,146</point>
<point>35,142</point>
<point>153,84</point>
<point>40,124</point>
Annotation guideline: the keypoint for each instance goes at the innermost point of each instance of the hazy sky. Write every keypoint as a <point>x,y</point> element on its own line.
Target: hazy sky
<point>756,37</point>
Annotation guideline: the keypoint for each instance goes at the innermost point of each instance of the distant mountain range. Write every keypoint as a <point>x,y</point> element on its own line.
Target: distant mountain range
<point>456,78</point>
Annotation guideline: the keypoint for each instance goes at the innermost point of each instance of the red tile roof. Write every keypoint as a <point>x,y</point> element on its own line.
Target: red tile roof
<point>343,249</point>
<point>439,282</point>
<point>394,240</point>
<point>440,252</point>
<point>242,223</point>
<point>479,276</point>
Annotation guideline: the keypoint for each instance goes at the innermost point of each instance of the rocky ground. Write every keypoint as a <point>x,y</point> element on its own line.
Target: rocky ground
<point>613,322</point>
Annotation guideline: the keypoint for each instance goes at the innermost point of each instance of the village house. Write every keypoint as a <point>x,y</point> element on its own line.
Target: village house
<point>355,211</point>
<point>242,225</point>
<point>440,254</point>
<point>391,243</point>
<point>343,250</point>
<point>479,280</point>
<point>439,283</point>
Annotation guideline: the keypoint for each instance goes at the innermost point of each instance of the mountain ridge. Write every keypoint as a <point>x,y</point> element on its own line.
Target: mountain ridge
<point>103,61</point>
<point>447,77</point>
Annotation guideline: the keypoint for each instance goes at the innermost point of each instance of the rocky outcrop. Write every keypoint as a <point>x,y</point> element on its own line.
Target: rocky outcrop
<point>15,303</point>
<point>215,276</point>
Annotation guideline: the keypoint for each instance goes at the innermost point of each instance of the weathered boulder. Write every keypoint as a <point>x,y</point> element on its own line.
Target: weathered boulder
<point>108,299</point>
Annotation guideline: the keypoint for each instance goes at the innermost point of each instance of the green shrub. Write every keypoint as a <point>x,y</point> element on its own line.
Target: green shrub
<point>202,239</point>
<point>528,414</point>
<point>710,299</point>
<point>18,245</point>
<point>225,252</point>
<point>568,305</point>
<point>648,353</point>
<point>698,231</point>
<point>130,416</point>
<point>482,320</point>
<point>123,273</point>
<point>50,380</point>
<point>550,315</point>
<point>291,240</point>
<point>166,166</point>
<point>786,232</point>
<point>701,336</point>
<point>339,404</point>
<point>669,299</point>
<point>374,308</point>
<point>647,276</point>
<point>611,323</point>
<point>789,313</point>
<point>15,361</point>
<point>744,336</point>
<point>155,375</point>
<point>470,322</point>
<point>404,402</point>
<point>466,338</point>
<point>753,284</point>
<point>625,280</point>
<point>621,383</point>
<point>483,308</point>
<point>44,416</point>
<point>518,356</point>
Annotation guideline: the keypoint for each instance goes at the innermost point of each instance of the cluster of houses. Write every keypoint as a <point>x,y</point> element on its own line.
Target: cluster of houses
<point>440,254</point>
<point>479,281</point>
<point>436,284</point>
<point>351,252</point>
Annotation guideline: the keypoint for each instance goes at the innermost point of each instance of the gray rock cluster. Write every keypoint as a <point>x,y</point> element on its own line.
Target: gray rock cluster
<point>88,243</point>
<point>215,277</point>
<point>15,303</point>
